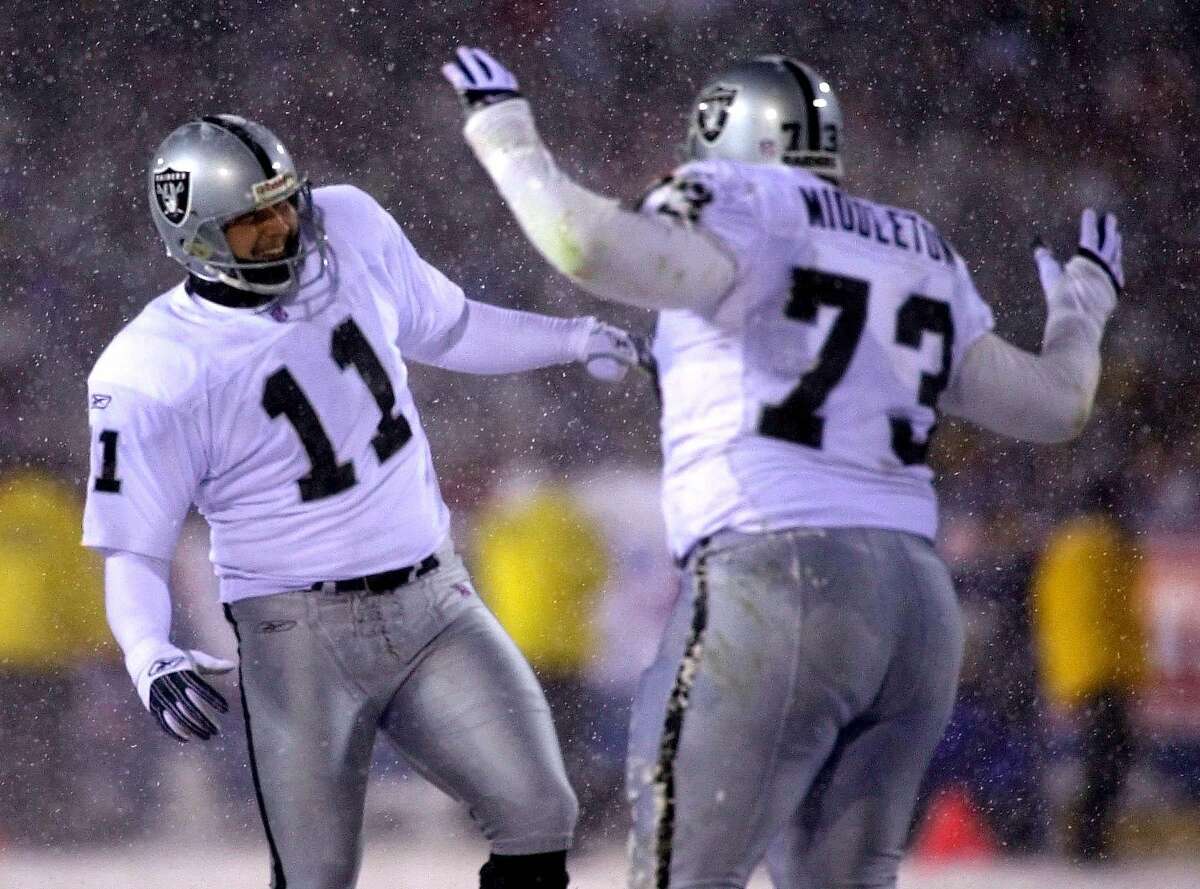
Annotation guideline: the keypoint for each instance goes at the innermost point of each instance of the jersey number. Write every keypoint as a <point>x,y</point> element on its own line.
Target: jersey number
<point>795,419</point>
<point>107,481</point>
<point>282,395</point>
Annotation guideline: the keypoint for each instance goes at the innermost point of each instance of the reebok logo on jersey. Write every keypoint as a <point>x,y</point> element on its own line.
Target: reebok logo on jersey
<point>160,667</point>
<point>100,402</point>
<point>275,626</point>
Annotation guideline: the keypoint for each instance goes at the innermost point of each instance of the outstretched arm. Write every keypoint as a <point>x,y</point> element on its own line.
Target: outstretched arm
<point>491,340</point>
<point>609,251</point>
<point>1047,397</point>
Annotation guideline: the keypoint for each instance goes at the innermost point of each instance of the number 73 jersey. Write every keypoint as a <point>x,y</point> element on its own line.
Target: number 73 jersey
<point>808,396</point>
<point>292,430</point>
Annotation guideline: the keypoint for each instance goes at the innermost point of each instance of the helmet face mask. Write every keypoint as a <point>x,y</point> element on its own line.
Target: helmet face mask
<point>210,172</point>
<point>770,110</point>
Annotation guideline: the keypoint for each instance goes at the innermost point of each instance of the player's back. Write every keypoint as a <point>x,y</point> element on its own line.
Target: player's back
<point>808,396</point>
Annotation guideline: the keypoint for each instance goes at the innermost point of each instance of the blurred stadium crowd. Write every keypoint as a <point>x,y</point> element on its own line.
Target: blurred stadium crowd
<point>998,121</point>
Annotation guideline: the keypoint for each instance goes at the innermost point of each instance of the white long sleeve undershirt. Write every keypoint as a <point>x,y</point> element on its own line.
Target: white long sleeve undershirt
<point>625,257</point>
<point>611,252</point>
<point>491,340</point>
<point>137,602</point>
<point>1047,397</point>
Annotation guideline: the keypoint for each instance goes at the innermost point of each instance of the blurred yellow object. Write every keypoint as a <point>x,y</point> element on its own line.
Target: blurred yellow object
<point>1086,615</point>
<point>540,562</point>
<point>51,597</point>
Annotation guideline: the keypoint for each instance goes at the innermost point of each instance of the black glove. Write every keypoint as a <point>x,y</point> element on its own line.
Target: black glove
<point>180,701</point>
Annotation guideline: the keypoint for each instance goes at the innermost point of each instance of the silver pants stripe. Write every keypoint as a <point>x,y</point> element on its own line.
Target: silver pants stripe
<point>278,879</point>
<point>663,785</point>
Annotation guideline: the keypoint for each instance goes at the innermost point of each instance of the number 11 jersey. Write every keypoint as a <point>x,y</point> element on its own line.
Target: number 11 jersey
<point>808,396</point>
<point>292,430</point>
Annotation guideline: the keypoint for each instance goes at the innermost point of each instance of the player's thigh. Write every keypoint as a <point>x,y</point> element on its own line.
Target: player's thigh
<point>472,718</point>
<point>742,706</point>
<point>309,734</point>
<point>851,828</point>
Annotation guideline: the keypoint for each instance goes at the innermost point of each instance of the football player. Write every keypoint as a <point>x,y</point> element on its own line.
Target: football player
<point>806,343</point>
<point>270,389</point>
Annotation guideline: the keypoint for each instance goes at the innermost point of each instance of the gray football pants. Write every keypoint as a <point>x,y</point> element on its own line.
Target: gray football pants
<point>803,682</point>
<point>429,665</point>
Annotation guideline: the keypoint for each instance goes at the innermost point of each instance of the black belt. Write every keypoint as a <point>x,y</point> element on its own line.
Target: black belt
<point>382,582</point>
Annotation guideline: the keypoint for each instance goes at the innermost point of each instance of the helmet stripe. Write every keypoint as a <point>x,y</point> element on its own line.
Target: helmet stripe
<point>243,136</point>
<point>813,122</point>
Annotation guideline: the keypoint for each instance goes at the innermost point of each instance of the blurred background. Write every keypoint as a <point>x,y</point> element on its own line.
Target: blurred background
<point>1077,733</point>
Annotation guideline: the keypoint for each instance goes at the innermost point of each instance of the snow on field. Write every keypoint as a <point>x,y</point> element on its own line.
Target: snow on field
<point>394,864</point>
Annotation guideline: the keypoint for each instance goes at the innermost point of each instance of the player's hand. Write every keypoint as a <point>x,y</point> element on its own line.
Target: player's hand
<point>479,79</point>
<point>610,352</point>
<point>1100,241</point>
<point>1049,269</point>
<point>1083,285</point>
<point>182,703</point>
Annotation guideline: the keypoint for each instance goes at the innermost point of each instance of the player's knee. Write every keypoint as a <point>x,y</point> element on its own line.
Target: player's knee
<point>329,874</point>
<point>541,814</point>
<point>871,871</point>
<point>543,870</point>
<point>553,807</point>
<point>566,807</point>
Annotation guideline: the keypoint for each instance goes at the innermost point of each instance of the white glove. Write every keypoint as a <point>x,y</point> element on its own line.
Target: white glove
<point>609,352</point>
<point>1100,241</point>
<point>1049,269</point>
<point>182,703</point>
<point>479,79</point>
<point>1092,279</point>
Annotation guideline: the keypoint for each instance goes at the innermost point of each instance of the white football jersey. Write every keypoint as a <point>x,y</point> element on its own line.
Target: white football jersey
<point>292,430</point>
<point>807,397</point>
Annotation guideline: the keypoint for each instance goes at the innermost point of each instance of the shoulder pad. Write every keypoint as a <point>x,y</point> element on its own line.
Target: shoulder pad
<point>345,201</point>
<point>341,194</point>
<point>683,196</point>
<point>147,357</point>
<point>713,195</point>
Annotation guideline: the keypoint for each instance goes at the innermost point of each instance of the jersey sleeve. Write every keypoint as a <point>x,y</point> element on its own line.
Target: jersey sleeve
<point>147,460</point>
<point>709,196</point>
<point>429,303</point>
<point>973,317</point>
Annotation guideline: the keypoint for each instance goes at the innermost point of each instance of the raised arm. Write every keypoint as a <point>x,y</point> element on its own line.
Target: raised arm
<point>1047,397</point>
<point>611,252</point>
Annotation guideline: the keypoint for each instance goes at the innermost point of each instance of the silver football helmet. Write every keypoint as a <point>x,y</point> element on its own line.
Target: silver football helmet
<point>770,110</point>
<point>210,171</point>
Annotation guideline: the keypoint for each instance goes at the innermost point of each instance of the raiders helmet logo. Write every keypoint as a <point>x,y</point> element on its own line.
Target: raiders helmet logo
<point>712,112</point>
<point>173,192</point>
